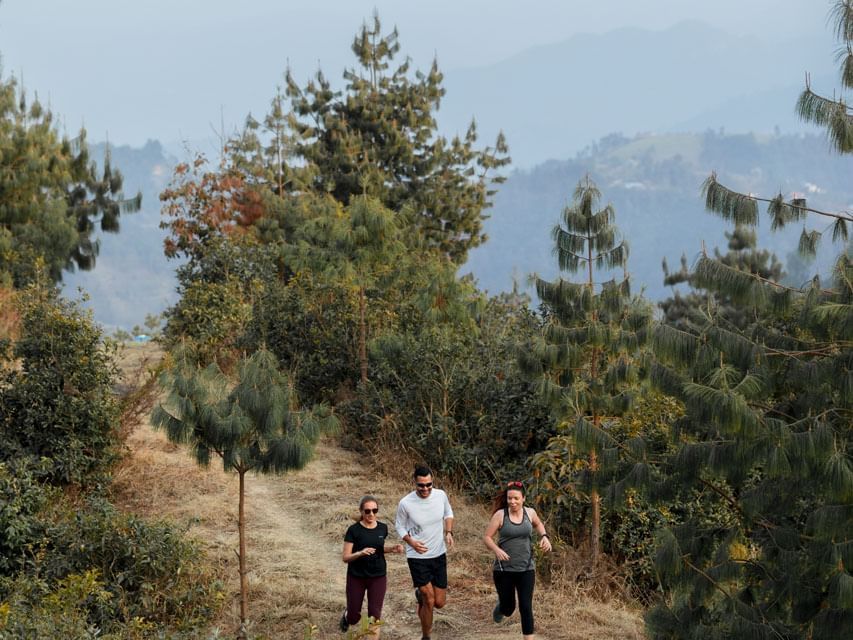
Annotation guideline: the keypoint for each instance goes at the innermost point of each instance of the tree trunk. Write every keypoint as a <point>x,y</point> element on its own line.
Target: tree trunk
<point>241,556</point>
<point>362,335</point>
<point>595,500</point>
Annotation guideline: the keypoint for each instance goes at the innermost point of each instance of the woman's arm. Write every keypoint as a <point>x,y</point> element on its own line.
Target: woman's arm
<point>349,556</point>
<point>539,526</point>
<point>489,536</point>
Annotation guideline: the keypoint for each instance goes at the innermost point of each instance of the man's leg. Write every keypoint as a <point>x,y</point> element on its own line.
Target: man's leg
<point>425,607</point>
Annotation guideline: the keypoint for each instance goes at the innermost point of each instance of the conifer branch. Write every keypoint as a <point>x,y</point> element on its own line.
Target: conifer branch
<point>710,580</point>
<point>833,115</point>
<point>723,200</point>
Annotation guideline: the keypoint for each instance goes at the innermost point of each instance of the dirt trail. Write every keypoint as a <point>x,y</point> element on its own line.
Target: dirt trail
<point>296,524</point>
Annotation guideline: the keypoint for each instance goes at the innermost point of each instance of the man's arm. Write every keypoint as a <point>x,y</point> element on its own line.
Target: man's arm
<point>401,522</point>
<point>448,523</point>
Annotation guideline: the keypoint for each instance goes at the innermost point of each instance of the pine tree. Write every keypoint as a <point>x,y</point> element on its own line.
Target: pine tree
<point>52,199</point>
<point>691,309</point>
<point>253,425</point>
<point>587,358</point>
<point>768,430</point>
<point>378,137</point>
<point>360,246</point>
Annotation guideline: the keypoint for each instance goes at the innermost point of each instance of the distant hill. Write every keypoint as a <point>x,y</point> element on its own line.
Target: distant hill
<point>654,183</point>
<point>552,101</point>
<point>132,277</point>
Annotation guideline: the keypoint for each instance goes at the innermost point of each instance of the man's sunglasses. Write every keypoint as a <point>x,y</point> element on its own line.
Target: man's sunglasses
<point>373,511</point>
<point>424,485</point>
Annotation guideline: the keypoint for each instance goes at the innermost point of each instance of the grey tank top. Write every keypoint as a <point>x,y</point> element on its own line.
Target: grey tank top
<point>515,540</point>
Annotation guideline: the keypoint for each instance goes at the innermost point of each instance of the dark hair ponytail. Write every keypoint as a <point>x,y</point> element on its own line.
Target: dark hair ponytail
<point>499,501</point>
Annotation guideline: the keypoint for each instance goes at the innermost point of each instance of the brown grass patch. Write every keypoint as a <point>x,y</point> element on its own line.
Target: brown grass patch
<point>296,524</point>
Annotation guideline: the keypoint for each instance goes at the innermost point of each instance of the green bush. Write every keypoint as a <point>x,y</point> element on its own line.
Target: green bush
<point>146,572</point>
<point>309,325</point>
<point>56,400</point>
<point>456,398</point>
<point>23,500</point>
<point>135,572</point>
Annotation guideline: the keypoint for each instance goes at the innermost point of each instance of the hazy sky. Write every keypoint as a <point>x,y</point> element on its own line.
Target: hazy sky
<point>174,69</point>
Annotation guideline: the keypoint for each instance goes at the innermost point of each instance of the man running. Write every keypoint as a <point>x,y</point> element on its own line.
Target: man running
<point>425,523</point>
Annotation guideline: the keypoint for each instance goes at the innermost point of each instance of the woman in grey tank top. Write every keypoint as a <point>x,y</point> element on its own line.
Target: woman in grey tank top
<point>514,571</point>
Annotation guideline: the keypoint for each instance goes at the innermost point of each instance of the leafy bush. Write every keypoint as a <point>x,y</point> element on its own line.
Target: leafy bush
<point>117,569</point>
<point>23,499</point>
<point>56,398</point>
<point>456,398</point>
<point>309,325</point>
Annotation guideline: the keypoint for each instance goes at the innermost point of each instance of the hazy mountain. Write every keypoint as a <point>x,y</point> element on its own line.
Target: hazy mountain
<point>132,277</point>
<point>552,101</point>
<point>654,183</point>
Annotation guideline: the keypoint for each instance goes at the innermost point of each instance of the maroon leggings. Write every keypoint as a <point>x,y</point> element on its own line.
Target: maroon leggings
<point>375,588</point>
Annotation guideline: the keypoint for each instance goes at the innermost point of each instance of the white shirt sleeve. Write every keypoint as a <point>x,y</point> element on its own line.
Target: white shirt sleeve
<point>401,521</point>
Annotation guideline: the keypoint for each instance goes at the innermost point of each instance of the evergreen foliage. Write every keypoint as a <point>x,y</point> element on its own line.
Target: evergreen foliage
<point>692,309</point>
<point>52,198</point>
<point>57,402</point>
<point>378,137</point>
<point>767,430</point>
<point>586,360</point>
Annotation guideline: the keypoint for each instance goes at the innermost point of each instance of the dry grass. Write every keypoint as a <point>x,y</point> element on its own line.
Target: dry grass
<point>296,525</point>
<point>9,316</point>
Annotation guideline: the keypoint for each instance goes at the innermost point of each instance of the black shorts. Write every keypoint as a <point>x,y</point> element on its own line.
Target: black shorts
<point>429,570</point>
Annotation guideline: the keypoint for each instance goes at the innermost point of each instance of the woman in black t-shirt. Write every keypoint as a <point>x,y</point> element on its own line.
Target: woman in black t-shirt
<point>364,552</point>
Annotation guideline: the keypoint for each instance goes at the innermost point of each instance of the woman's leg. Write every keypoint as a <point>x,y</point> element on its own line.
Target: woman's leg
<point>376,588</point>
<point>355,597</point>
<point>524,585</point>
<point>504,585</point>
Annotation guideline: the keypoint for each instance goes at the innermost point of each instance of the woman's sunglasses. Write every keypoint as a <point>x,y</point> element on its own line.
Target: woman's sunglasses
<point>514,483</point>
<point>373,511</point>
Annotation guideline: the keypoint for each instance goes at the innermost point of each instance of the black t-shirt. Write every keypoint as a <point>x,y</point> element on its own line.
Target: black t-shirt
<point>372,566</point>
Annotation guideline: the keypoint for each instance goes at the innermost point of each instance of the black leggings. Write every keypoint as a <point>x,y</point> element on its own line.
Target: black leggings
<point>508,583</point>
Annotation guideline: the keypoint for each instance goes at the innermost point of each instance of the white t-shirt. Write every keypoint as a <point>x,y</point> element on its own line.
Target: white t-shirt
<point>423,519</point>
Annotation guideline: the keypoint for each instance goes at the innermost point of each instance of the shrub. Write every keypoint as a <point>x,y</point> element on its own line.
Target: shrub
<point>56,401</point>
<point>457,399</point>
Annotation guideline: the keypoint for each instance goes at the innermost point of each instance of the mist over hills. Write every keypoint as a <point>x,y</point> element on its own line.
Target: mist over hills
<point>560,106</point>
<point>654,183</point>
<point>131,277</point>
<point>552,101</point>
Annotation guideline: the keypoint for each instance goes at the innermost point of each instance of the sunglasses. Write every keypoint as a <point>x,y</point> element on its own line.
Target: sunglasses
<point>514,483</point>
<point>373,511</point>
<point>424,485</point>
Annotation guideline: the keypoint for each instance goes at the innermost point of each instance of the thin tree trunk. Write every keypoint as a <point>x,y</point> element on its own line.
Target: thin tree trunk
<point>362,335</point>
<point>595,500</point>
<point>241,530</point>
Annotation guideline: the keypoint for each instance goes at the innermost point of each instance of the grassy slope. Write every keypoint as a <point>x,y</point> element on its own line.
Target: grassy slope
<point>296,525</point>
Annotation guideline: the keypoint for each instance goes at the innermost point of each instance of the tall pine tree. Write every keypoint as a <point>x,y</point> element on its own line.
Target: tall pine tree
<point>378,137</point>
<point>587,357</point>
<point>52,197</point>
<point>768,431</point>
